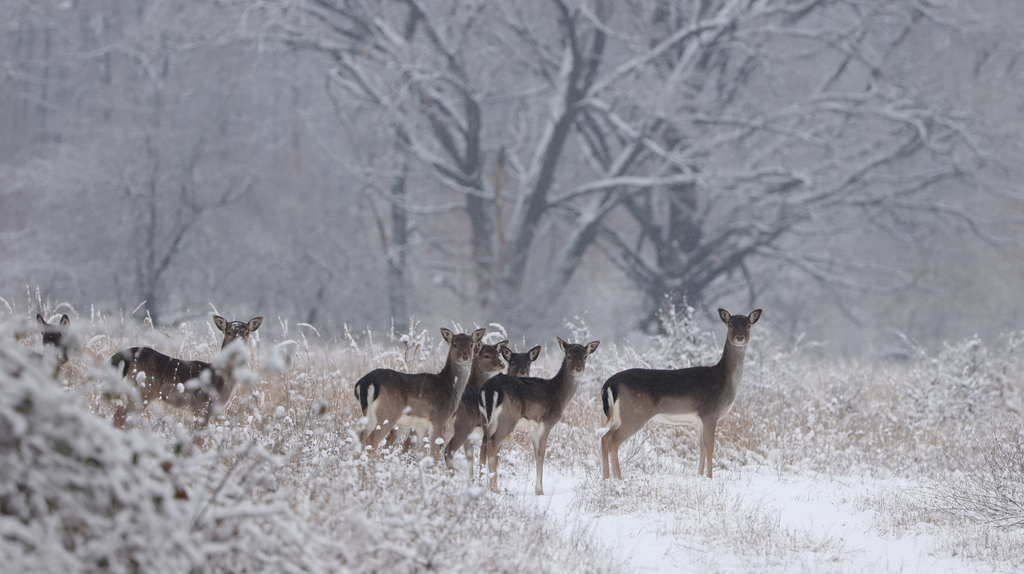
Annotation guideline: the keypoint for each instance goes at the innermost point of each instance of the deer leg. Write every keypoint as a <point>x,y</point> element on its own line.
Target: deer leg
<point>540,446</point>
<point>492,466</point>
<point>610,444</point>
<point>495,441</point>
<point>380,432</point>
<point>707,444</point>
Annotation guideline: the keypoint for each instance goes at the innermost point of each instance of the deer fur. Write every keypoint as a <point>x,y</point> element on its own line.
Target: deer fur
<point>488,362</point>
<point>529,403</point>
<point>194,385</point>
<point>426,401</point>
<point>695,395</point>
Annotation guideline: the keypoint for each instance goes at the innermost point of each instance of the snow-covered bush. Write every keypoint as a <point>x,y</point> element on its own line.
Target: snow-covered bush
<point>79,495</point>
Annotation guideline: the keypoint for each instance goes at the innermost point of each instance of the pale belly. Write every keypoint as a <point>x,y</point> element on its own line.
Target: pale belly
<point>419,424</point>
<point>527,425</point>
<point>677,419</point>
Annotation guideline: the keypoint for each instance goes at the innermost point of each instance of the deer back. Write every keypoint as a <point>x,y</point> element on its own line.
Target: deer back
<point>157,376</point>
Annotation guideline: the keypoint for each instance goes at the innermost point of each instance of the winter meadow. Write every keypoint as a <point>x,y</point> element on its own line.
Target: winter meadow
<point>229,213</point>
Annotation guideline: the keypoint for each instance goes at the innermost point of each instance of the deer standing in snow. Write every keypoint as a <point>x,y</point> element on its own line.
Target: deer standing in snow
<point>195,385</point>
<point>529,403</point>
<point>489,361</point>
<point>695,395</point>
<point>425,401</point>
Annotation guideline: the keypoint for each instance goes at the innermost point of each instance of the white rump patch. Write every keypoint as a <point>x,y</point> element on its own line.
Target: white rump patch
<point>614,416</point>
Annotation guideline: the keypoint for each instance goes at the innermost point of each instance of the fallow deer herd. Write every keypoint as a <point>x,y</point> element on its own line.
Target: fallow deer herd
<point>485,388</point>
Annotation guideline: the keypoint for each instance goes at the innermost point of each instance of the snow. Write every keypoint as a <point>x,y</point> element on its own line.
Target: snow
<point>817,524</point>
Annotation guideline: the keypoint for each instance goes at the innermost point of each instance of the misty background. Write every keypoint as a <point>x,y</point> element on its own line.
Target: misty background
<point>851,167</point>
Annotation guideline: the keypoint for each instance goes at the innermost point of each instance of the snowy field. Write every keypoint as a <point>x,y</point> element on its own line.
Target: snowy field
<point>915,465</point>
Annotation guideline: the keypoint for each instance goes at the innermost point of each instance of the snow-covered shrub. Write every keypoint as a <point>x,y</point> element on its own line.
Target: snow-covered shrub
<point>79,495</point>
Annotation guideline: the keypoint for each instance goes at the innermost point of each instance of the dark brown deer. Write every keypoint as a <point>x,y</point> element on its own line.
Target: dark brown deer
<point>519,363</point>
<point>529,403</point>
<point>53,336</point>
<point>425,401</point>
<point>695,395</point>
<point>489,361</point>
<point>194,385</point>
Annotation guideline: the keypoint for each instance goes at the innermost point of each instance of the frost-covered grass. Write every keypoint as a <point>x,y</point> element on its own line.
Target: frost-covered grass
<point>819,466</point>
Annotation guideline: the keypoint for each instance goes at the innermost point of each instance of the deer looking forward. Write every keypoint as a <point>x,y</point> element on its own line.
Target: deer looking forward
<point>489,361</point>
<point>695,395</point>
<point>528,403</point>
<point>425,400</point>
<point>195,385</point>
<point>53,338</point>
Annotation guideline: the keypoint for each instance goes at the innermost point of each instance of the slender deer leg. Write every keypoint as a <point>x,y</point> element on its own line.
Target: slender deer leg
<point>492,466</point>
<point>540,446</point>
<point>707,445</point>
<point>611,442</point>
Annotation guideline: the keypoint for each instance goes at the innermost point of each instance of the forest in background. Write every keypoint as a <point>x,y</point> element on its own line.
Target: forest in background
<point>851,167</point>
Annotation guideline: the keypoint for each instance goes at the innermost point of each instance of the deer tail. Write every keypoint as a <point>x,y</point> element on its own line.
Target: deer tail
<point>609,394</point>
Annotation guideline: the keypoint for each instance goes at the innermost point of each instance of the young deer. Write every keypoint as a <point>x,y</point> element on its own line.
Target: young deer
<point>487,363</point>
<point>53,336</point>
<point>389,398</point>
<point>195,385</point>
<point>696,395</point>
<point>528,403</point>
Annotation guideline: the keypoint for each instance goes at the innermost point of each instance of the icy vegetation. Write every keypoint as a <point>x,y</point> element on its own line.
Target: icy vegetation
<point>915,464</point>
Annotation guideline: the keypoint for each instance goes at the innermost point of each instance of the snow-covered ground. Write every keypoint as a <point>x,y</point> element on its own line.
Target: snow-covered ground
<point>747,519</point>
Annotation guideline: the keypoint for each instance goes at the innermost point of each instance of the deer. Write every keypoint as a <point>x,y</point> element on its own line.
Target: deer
<point>510,403</point>
<point>53,336</point>
<point>389,398</point>
<point>489,361</point>
<point>694,395</point>
<point>195,385</point>
<point>519,364</point>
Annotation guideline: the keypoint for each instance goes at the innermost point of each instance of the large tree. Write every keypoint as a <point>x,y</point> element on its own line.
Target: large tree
<point>692,142</point>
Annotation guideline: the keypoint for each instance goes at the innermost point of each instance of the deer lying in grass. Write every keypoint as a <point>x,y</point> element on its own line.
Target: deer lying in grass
<point>195,385</point>
<point>529,403</point>
<point>695,395</point>
<point>424,401</point>
<point>53,337</point>
<point>489,361</point>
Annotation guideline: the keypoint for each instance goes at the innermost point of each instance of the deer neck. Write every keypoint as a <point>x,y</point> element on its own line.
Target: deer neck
<point>456,374</point>
<point>565,381</point>
<point>731,364</point>
<point>478,376</point>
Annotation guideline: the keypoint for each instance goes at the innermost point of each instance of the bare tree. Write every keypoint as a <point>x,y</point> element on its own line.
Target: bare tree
<point>691,141</point>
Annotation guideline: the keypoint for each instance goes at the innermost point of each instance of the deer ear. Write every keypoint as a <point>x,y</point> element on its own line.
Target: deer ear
<point>65,320</point>
<point>255,323</point>
<point>534,353</point>
<point>448,336</point>
<point>592,346</point>
<point>40,319</point>
<point>502,344</point>
<point>754,316</point>
<point>561,343</point>
<point>506,353</point>
<point>724,315</point>
<point>479,334</point>
<point>221,322</point>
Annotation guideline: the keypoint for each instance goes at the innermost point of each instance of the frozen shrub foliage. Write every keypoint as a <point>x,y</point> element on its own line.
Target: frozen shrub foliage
<point>77,494</point>
<point>929,445</point>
